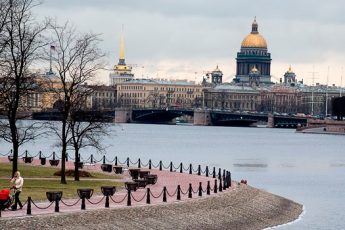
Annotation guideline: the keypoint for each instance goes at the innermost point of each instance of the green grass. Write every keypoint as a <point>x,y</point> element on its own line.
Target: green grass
<point>28,171</point>
<point>37,188</point>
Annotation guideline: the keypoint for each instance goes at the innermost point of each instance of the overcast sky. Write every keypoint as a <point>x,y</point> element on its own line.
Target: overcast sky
<point>182,39</point>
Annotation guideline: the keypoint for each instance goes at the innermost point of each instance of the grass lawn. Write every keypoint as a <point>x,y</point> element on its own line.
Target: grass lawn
<point>37,188</point>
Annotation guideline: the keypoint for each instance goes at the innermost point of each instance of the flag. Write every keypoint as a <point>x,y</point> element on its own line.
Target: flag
<point>52,47</point>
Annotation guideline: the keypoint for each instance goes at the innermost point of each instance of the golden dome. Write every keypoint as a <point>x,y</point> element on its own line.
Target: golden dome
<point>254,39</point>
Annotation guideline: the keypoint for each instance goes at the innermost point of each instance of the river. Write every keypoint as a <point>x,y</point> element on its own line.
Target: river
<point>306,168</point>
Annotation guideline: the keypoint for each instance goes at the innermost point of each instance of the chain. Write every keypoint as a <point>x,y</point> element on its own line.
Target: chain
<point>36,155</point>
<point>95,202</point>
<point>168,167</point>
<point>122,163</point>
<point>139,200</point>
<point>176,168</point>
<point>184,193</point>
<point>154,165</point>
<point>172,194</point>
<point>145,165</point>
<point>133,163</point>
<point>5,154</point>
<point>185,169</point>
<point>120,200</point>
<point>70,205</point>
<point>47,156</point>
<point>158,195</point>
<point>43,207</point>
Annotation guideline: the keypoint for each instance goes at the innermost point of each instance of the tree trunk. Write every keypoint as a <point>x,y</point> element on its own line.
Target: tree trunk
<point>63,153</point>
<point>15,144</point>
<point>76,166</point>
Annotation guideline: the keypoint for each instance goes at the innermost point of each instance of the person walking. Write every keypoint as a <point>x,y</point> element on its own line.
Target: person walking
<point>18,183</point>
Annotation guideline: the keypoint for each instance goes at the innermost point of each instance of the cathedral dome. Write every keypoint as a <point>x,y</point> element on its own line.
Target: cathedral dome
<point>254,39</point>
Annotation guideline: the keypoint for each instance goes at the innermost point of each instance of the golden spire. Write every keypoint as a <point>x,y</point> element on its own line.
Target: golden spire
<point>122,48</point>
<point>290,70</point>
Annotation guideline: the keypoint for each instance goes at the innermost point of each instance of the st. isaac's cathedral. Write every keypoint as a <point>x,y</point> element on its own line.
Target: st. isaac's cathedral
<point>253,60</point>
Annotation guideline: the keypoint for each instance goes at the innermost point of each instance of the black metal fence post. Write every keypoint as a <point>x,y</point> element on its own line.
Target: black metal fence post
<point>139,163</point>
<point>160,165</point>
<point>26,153</point>
<point>91,160</point>
<point>129,201</point>
<point>54,156</point>
<point>199,170</point>
<point>181,167</point>
<point>206,171</point>
<point>229,179</point>
<point>103,159</point>
<point>214,172</point>
<point>171,166</point>
<point>148,198</point>
<point>200,189</point>
<point>190,169</point>
<point>28,210</point>
<point>83,206</point>
<point>40,155</point>
<point>224,183</point>
<point>116,161</point>
<point>220,185</point>
<point>164,194</point>
<point>57,208</point>
<point>178,192</point>
<point>215,186</point>
<point>190,191</point>
<point>107,201</point>
<point>127,161</point>
<point>150,164</point>
<point>208,188</point>
<point>220,174</point>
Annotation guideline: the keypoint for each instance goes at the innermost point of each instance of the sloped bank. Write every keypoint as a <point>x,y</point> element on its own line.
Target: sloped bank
<point>244,207</point>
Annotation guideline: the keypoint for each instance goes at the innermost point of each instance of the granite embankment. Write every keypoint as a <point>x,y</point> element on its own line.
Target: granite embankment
<point>242,207</point>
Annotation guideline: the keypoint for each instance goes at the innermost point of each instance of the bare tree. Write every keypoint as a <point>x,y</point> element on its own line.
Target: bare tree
<point>21,42</point>
<point>76,62</point>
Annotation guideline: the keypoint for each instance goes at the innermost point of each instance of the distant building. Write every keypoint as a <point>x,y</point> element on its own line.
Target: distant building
<point>290,77</point>
<point>253,53</point>
<point>122,72</point>
<point>155,93</point>
<point>217,76</point>
<point>102,97</point>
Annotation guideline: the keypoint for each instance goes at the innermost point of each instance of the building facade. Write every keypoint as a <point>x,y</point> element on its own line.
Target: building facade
<point>253,54</point>
<point>154,93</point>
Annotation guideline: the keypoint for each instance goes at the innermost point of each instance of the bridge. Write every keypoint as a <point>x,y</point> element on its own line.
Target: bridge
<point>206,117</point>
<point>159,115</point>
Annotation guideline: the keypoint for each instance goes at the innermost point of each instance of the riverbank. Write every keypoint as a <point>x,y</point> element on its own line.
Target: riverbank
<point>243,207</point>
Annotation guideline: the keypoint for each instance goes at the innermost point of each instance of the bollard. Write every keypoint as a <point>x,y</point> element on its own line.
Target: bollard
<point>164,194</point>
<point>57,208</point>
<point>200,189</point>
<point>206,171</point>
<point>171,168</point>
<point>150,164</point>
<point>178,192</point>
<point>181,167</point>
<point>214,172</point>
<point>139,163</point>
<point>127,161</point>
<point>160,165</point>
<point>220,189</point>
<point>40,155</point>
<point>199,170</point>
<point>208,188</point>
<point>54,156</point>
<point>230,179</point>
<point>91,160</point>
<point>220,174</point>
<point>28,210</point>
<point>190,191</point>
<point>106,201</point>
<point>103,159</point>
<point>190,168</point>
<point>83,206</point>
<point>66,156</point>
<point>215,186</point>
<point>148,198</point>
<point>26,153</point>
<point>129,201</point>
<point>224,184</point>
<point>115,161</point>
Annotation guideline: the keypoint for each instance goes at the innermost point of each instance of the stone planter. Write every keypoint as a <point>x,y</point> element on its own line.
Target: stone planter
<point>43,160</point>
<point>80,165</point>
<point>108,190</point>
<point>54,162</point>
<point>106,167</point>
<point>53,195</point>
<point>118,169</point>
<point>28,159</point>
<point>134,173</point>
<point>151,179</point>
<point>85,192</point>
<point>131,186</point>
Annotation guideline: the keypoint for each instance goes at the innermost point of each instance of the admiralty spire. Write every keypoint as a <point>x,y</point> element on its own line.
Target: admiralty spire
<point>122,72</point>
<point>253,54</point>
